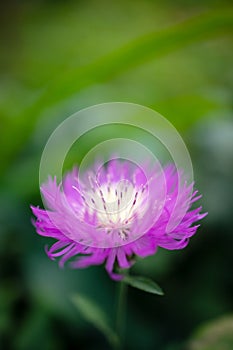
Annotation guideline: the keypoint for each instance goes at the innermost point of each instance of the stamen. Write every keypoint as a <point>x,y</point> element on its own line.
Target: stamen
<point>135,198</point>
<point>124,234</point>
<point>91,183</point>
<point>81,195</point>
<point>76,189</point>
<point>124,213</point>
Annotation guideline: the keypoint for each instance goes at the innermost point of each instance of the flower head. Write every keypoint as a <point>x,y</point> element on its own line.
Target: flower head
<point>115,213</point>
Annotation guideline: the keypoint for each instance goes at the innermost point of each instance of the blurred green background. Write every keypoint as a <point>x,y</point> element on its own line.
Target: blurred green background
<point>59,57</point>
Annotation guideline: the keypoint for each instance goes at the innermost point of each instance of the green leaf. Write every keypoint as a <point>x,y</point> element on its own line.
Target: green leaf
<point>143,283</point>
<point>92,313</point>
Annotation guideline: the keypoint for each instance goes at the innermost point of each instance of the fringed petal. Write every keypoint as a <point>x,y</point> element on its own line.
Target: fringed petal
<point>81,229</point>
<point>96,258</point>
<point>121,258</point>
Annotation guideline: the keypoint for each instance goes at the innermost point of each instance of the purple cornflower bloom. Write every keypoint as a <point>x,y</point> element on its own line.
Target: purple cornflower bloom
<point>116,215</point>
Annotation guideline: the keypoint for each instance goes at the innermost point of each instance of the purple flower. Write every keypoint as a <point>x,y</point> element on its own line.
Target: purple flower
<point>116,213</point>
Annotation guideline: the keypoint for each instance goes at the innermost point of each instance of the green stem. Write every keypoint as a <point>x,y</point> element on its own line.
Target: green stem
<point>121,313</point>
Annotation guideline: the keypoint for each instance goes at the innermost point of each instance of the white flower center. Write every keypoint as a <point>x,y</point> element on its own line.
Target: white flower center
<point>116,205</point>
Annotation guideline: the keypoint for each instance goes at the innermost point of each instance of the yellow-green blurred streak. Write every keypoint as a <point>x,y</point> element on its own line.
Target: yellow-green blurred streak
<point>198,28</point>
<point>213,335</point>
